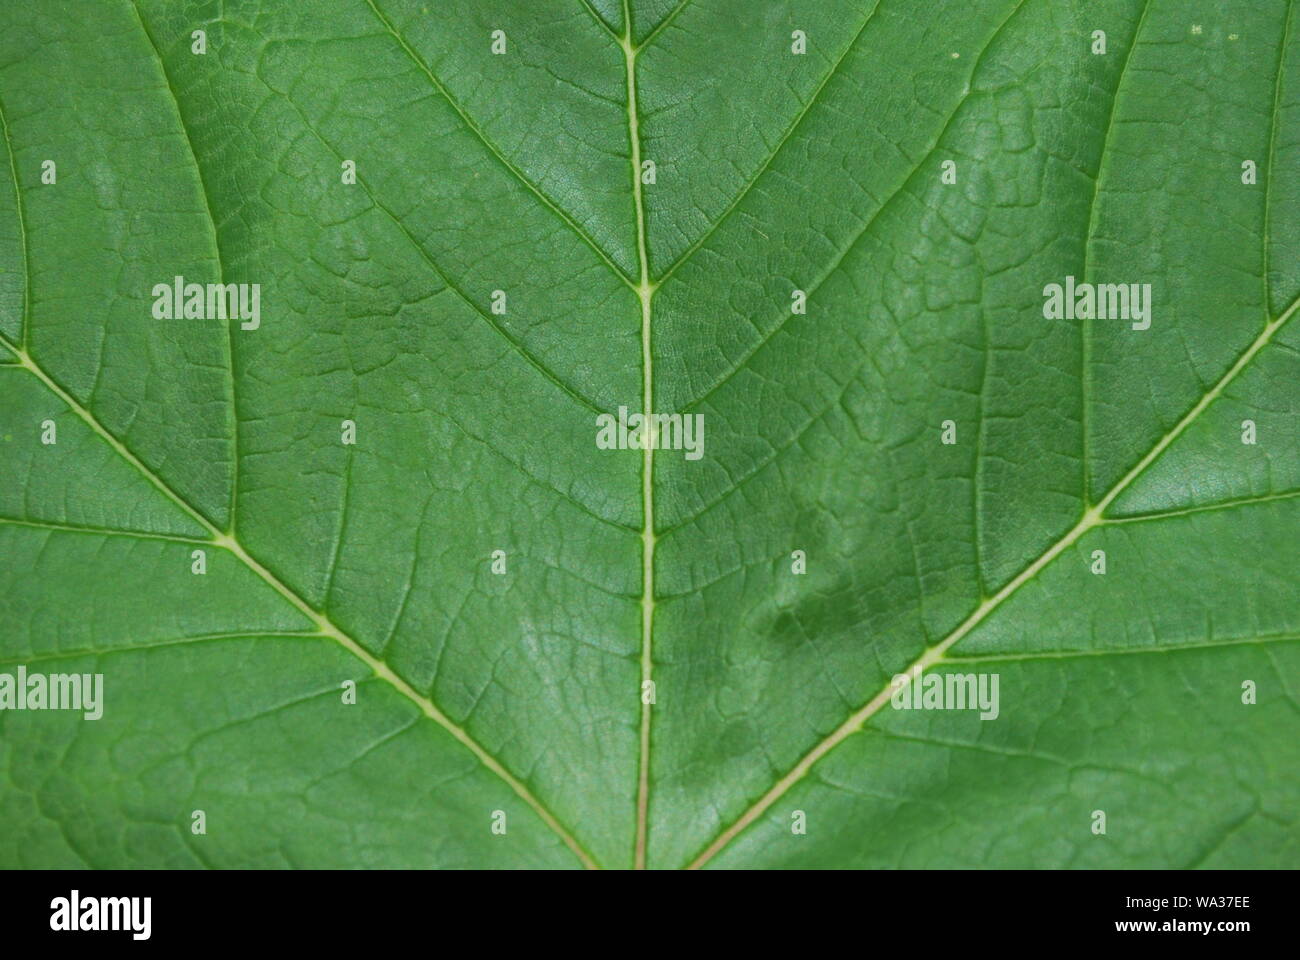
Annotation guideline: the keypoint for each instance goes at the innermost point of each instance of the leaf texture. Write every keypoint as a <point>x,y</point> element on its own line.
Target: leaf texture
<point>920,173</point>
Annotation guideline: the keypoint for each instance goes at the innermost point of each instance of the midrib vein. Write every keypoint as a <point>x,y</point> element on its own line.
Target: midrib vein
<point>645,293</point>
<point>1093,517</point>
<point>322,623</point>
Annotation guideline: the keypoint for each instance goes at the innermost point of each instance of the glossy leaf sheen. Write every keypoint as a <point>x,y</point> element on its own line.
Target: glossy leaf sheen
<point>479,692</point>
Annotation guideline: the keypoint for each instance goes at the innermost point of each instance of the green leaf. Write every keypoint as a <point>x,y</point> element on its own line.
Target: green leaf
<point>1161,693</point>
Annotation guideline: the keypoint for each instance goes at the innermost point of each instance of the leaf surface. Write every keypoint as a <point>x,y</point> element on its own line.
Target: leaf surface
<point>480,693</point>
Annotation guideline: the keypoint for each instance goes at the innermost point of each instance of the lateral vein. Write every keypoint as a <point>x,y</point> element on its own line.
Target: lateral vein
<point>1085,330</point>
<point>229,344</point>
<point>321,622</point>
<point>1091,518</point>
<point>22,230</point>
<point>469,122</point>
<point>772,154</point>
